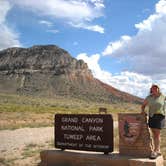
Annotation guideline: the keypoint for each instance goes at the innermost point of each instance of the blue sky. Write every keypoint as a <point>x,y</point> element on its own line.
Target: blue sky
<point>123,42</point>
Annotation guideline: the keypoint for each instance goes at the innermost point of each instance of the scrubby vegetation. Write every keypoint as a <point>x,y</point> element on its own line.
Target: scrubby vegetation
<point>26,111</point>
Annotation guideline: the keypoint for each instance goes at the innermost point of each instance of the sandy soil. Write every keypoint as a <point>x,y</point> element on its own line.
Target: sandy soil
<point>22,146</point>
<point>12,139</point>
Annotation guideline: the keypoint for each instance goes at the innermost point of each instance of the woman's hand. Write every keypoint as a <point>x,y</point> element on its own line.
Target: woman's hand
<point>144,113</point>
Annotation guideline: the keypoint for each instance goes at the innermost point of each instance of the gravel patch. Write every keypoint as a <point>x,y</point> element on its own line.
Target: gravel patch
<point>19,138</point>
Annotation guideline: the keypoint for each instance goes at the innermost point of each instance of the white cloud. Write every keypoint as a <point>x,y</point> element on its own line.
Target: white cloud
<point>161,7</point>
<point>92,63</point>
<point>146,51</point>
<point>95,28</point>
<point>114,46</point>
<point>133,83</point>
<point>8,38</point>
<point>47,23</point>
<point>71,11</point>
<point>97,3</point>
<point>4,8</point>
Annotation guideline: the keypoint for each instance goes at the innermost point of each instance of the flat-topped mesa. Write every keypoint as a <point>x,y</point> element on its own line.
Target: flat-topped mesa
<point>48,58</point>
<point>47,70</point>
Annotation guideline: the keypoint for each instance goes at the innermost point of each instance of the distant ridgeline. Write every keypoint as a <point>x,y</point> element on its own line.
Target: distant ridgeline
<point>50,71</point>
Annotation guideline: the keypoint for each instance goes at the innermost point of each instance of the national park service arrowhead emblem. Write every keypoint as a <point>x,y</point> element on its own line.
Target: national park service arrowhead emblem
<point>129,128</point>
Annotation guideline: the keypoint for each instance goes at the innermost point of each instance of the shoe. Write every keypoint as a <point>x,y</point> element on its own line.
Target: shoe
<point>153,155</point>
<point>159,153</point>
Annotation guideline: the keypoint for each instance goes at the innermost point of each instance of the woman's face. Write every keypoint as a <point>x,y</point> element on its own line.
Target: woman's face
<point>154,91</point>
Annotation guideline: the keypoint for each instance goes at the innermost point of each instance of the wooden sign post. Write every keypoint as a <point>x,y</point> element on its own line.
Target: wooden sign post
<point>89,132</point>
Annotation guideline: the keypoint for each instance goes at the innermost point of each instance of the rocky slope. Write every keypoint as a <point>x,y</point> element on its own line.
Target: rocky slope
<point>49,71</point>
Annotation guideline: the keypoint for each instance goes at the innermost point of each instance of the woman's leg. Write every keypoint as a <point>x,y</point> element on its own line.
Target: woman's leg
<point>156,139</point>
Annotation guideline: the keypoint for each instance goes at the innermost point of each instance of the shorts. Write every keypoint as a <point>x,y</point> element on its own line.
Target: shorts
<point>157,121</point>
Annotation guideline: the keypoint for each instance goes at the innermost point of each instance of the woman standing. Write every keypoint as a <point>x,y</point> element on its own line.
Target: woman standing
<point>156,102</point>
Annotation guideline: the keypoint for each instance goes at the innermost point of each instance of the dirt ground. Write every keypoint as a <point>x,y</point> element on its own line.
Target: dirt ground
<point>22,147</point>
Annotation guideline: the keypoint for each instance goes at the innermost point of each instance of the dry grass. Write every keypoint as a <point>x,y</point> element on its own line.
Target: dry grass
<point>28,156</point>
<point>26,111</point>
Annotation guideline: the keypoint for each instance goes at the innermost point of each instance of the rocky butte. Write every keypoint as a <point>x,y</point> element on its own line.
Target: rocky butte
<point>47,70</point>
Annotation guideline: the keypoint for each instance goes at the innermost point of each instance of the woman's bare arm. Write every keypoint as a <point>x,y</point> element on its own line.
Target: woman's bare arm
<point>143,106</point>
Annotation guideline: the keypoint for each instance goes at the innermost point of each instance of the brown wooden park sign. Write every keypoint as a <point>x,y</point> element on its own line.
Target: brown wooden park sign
<point>89,132</point>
